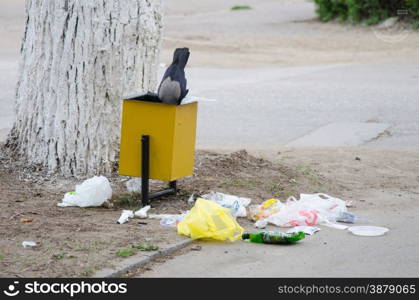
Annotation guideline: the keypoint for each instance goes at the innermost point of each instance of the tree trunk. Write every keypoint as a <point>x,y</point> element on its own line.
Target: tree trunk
<point>78,59</point>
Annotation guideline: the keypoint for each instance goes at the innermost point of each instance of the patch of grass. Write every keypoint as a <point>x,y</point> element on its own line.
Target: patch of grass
<point>1,257</point>
<point>146,248</point>
<point>59,255</point>
<point>241,7</point>
<point>125,252</point>
<point>126,200</point>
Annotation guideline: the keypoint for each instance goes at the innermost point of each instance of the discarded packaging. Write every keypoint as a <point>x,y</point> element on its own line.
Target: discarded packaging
<point>310,210</point>
<point>142,213</point>
<point>134,185</point>
<point>125,215</point>
<point>264,210</point>
<point>208,219</point>
<point>172,221</point>
<point>26,220</point>
<point>191,200</point>
<point>164,216</point>
<point>310,230</point>
<point>368,230</point>
<point>334,225</point>
<point>261,223</point>
<point>236,204</point>
<point>347,217</point>
<point>26,244</point>
<point>168,220</point>
<point>92,192</point>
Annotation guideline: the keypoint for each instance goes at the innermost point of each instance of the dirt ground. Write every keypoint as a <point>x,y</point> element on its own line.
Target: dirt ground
<point>78,241</point>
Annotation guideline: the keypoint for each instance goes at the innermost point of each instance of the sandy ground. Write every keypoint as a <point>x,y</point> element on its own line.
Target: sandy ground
<point>273,34</point>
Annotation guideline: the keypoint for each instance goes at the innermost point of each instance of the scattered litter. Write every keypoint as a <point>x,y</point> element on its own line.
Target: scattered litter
<point>208,219</point>
<point>334,225</point>
<point>26,220</point>
<point>264,210</point>
<point>142,223</point>
<point>168,220</point>
<point>347,217</point>
<point>142,213</point>
<point>310,210</point>
<point>273,237</point>
<point>134,185</point>
<point>261,223</point>
<point>92,192</point>
<point>26,244</point>
<point>161,216</point>
<point>125,215</point>
<point>172,221</point>
<point>368,230</point>
<point>310,230</point>
<point>191,200</point>
<point>237,205</point>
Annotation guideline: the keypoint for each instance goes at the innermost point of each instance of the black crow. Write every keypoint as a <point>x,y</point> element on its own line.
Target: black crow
<point>172,88</point>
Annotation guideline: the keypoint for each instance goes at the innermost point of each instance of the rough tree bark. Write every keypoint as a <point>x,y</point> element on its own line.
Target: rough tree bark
<point>77,60</point>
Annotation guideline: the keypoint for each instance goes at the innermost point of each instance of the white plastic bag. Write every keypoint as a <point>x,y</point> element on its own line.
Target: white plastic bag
<point>92,192</point>
<point>236,204</point>
<point>310,210</point>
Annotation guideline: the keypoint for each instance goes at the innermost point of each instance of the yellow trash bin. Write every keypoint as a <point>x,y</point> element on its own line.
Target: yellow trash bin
<point>171,130</point>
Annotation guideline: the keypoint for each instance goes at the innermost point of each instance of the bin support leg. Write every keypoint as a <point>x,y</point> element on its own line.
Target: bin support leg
<point>145,175</point>
<point>145,168</point>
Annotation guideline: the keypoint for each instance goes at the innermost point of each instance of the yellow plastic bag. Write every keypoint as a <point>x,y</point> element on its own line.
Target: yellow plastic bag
<point>208,219</point>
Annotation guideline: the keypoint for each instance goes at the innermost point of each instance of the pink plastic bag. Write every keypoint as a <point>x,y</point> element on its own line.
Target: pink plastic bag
<point>310,210</point>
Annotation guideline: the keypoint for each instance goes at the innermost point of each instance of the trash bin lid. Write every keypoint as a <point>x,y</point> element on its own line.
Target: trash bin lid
<point>148,97</point>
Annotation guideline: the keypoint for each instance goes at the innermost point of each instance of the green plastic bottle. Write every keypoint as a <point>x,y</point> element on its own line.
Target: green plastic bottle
<point>273,237</point>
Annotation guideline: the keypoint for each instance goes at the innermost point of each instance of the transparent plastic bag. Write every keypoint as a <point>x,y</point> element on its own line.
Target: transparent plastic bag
<point>236,204</point>
<point>207,219</point>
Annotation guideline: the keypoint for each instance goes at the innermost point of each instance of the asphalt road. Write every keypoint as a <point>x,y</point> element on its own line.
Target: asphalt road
<point>269,108</point>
